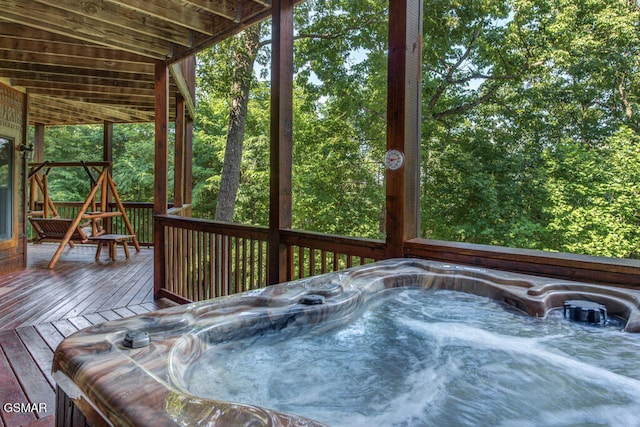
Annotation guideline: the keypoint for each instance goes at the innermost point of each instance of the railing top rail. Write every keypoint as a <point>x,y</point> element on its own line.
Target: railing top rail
<point>126,204</point>
<point>69,164</point>
<point>356,246</point>
<point>217,227</point>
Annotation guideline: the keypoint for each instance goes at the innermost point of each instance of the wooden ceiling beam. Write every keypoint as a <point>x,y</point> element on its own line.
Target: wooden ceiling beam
<point>88,109</point>
<point>127,19</point>
<point>53,70</point>
<point>226,8</point>
<point>88,91</point>
<point>18,37</point>
<point>171,11</point>
<point>264,3</point>
<point>113,103</point>
<point>24,57</point>
<point>24,76</point>
<point>141,103</point>
<point>98,98</point>
<point>37,15</point>
<point>54,112</point>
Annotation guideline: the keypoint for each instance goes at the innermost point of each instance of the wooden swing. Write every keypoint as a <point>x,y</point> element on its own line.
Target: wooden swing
<point>91,212</point>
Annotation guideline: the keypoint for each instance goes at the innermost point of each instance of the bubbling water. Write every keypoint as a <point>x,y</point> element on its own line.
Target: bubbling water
<point>441,358</point>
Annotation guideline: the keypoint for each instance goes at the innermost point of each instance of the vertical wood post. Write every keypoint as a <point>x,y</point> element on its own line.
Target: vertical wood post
<point>281,136</point>
<point>178,169</point>
<point>403,123</point>
<point>188,162</point>
<point>190,75</point>
<point>107,156</point>
<point>107,142</point>
<point>161,168</point>
<point>24,182</point>
<point>38,143</point>
<point>38,157</point>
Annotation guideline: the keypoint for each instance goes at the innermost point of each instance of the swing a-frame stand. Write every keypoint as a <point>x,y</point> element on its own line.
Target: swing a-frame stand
<point>92,211</point>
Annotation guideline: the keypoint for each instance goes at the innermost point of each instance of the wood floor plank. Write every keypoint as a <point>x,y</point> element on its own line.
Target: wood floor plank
<point>65,327</point>
<point>34,384</point>
<point>39,351</point>
<point>80,322</point>
<point>126,282</point>
<point>95,318</point>
<point>138,309</point>
<point>124,312</point>
<point>49,421</point>
<point>11,392</point>
<point>110,315</point>
<point>50,335</point>
<point>138,288</point>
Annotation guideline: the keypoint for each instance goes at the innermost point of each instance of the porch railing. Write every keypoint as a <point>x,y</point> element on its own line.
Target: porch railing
<point>206,259</point>
<point>309,254</point>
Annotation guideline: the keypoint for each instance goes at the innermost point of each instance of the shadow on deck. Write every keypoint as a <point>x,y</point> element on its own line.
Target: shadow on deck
<point>40,307</point>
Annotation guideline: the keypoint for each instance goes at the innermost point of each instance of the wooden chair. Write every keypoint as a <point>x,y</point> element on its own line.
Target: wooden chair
<point>55,229</point>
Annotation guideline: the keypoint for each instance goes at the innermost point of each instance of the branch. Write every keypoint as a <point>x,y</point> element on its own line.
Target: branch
<point>625,100</point>
<point>332,36</point>
<point>451,69</point>
<point>460,109</point>
<point>485,97</point>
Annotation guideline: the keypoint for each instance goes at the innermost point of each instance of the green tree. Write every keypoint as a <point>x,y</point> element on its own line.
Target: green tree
<point>522,101</point>
<point>233,60</point>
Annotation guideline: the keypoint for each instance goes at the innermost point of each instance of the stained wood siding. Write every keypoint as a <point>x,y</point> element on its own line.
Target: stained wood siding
<point>12,117</point>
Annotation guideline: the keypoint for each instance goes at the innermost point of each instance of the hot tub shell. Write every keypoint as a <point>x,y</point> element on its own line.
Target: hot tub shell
<point>115,385</point>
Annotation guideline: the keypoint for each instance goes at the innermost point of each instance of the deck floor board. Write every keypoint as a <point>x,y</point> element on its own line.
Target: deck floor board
<point>40,307</point>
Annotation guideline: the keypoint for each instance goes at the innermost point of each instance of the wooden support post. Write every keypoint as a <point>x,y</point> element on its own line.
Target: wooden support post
<point>189,71</point>
<point>281,136</point>
<point>107,142</point>
<point>24,182</point>
<point>178,168</point>
<point>38,157</point>
<point>161,167</point>
<point>188,162</point>
<point>107,156</point>
<point>403,123</point>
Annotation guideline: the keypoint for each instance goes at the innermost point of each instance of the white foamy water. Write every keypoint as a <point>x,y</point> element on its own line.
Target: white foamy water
<point>435,358</point>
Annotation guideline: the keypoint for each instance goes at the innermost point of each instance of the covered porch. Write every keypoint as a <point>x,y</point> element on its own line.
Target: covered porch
<point>142,79</point>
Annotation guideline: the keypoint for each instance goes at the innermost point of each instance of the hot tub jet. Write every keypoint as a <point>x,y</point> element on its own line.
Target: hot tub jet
<point>585,311</point>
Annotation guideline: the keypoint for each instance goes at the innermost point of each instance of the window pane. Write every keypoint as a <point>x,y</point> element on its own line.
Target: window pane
<point>6,188</point>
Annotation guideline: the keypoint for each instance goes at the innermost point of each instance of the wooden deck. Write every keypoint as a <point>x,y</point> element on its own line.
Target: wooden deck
<point>40,307</point>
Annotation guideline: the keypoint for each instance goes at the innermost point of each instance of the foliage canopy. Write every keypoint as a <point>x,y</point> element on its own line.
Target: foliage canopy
<point>530,131</point>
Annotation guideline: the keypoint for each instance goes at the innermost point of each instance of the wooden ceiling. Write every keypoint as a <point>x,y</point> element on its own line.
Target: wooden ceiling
<point>90,61</point>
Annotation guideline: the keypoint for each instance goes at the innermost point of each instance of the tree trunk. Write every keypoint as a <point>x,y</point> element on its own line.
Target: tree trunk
<point>244,57</point>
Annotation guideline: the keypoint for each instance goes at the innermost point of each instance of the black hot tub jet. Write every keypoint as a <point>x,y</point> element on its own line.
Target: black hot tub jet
<point>585,311</point>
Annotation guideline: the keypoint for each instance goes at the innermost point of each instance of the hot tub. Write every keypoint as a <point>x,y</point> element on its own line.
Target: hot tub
<point>398,342</point>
